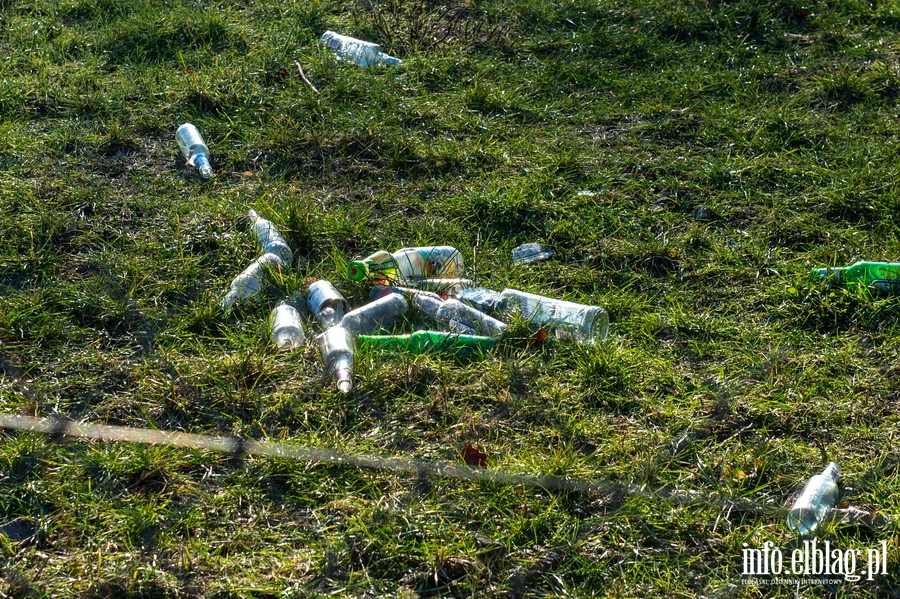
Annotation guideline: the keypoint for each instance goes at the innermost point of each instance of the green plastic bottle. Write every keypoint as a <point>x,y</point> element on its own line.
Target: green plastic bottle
<point>422,342</point>
<point>883,276</point>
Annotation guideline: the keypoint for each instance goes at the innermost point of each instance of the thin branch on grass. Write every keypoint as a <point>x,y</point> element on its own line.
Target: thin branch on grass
<point>303,76</point>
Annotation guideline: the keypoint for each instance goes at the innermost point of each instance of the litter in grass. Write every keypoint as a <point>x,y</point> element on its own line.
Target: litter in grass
<point>881,276</point>
<point>350,49</point>
<point>421,342</point>
<point>268,239</point>
<point>336,347</point>
<point>194,149</point>
<point>531,252</point>
<point>287,327</point>
<point>252,280</point>
<point>380,314</point>
<point>818,496</point>
<point>326,303</point>
<point>408,264</point>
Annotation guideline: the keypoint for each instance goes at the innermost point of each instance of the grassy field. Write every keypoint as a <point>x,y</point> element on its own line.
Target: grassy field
<point>598,127</point>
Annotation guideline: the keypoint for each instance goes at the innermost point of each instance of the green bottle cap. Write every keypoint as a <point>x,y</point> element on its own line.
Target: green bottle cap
<point>357,270</point>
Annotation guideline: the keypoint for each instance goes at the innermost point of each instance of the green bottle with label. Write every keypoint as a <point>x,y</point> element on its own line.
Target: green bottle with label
<point>408,264</point>
<point>883,276</point>
<point>422,342</point>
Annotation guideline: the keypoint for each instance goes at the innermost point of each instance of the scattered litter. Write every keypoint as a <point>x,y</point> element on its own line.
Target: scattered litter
<point>408,264</point>
<point>458,316</point>
<point>350,49</point>
<point>252,280</point>
<point>194,150</point>
<point>287,327</point>
<point>336,347</point>
<point>326,303</point>
<point>881,276</point>
<point>565,320</point>
<point>480,297</point>
<point>703,214</point>
<point>268,239</point>
<point>531,252</point>
<point>474,457</point>
<point>587,193</point>
<point>380,314</point>
<point>818,496</point>
<point>430,342</point>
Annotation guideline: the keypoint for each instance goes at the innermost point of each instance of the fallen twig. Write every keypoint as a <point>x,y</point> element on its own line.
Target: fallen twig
<point>303,76</point>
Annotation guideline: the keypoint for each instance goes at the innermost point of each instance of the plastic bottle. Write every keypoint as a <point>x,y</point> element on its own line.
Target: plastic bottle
<point>287,327</point>
<point>818,496</point>
<point>480,297</point>
<point>567,320</point>
<point>429,341</point>
<point>365,54</point>
<point>326,303</point>
<point>883,276</point>
<point>269,239</point>
<point>194,150</point>
<point>380,314</point>
<point>443,287</point>
<point>408,264</point>
<point>252,280</point>
<point>432,305</point>
<point>531,252</point>
<point>336,346</point>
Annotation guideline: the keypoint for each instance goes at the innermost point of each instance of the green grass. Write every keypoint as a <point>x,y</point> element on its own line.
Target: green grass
<point>726,371</point>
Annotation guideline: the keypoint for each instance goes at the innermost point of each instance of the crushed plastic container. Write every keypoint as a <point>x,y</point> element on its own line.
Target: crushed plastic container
<point>350,49</point>
<point>429,341</point>
<point>408,264</point>
<point>565,320</point>
<point>380,314</point>
<point>287,327</point>
<point>252,280</point>
<point>531,252</point>
<point>194,149</point>
<point>819,495</point>
<point>336,347</point>
<point>883,276</point>
<point>326,303</point>
<point>268,239</point>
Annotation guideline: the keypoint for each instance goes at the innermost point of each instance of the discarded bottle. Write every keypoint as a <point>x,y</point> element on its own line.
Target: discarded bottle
<point>269,239</point>
<point>566,320</point>
<point>379,291</point>
<point>252,280</point>
<point>883,276</point>
<point>443,287</point>
<point>531,252</point>
<point>818,496</point>
<point>430,341</point>
<point>194,150</point>
<point>336,346</point>
<point>459,317</point>
<point>480,297</point>
<point>365,54</point>
<point>287,327</point>
<point>408,264</point>
<point>380,314</point>
<point>326,303</point>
